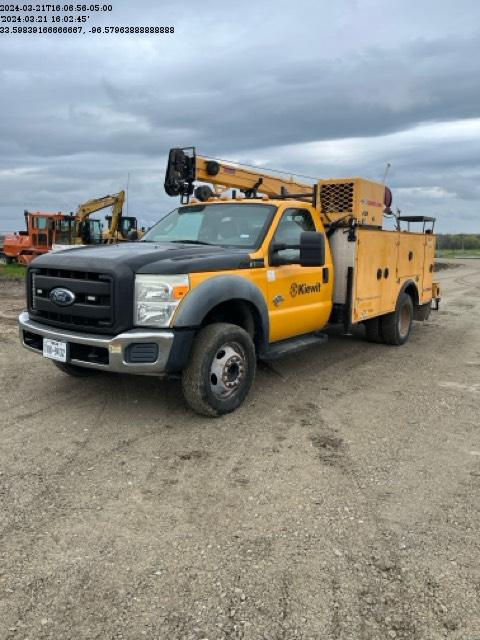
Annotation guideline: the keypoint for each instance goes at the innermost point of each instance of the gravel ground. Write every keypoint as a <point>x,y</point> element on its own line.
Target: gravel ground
<point>340,502</point>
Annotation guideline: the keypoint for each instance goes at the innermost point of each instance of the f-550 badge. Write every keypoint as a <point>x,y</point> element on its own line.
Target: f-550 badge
<point>299,289</point>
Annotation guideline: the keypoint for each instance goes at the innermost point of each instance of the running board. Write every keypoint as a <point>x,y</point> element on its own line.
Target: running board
<point>293,345</point>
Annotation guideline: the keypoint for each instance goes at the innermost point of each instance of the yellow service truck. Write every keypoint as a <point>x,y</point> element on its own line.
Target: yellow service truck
<point>224,280</point>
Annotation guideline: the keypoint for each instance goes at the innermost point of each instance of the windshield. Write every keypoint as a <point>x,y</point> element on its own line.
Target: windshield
<point>227,225</point>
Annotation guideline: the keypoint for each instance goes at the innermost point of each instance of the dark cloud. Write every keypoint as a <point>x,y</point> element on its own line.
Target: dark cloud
<point>317,89</point>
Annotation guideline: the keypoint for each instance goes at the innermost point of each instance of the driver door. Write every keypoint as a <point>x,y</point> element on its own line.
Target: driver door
<point>299,298</point>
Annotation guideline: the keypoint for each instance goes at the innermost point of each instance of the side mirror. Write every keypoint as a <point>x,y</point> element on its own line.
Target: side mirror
<point>312,249</point>
<point>275,259</point>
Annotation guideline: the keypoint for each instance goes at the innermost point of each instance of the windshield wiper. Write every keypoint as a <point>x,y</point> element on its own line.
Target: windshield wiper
<point>192,242</point>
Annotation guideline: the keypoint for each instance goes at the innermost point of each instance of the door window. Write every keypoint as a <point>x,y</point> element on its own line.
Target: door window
<point>40,222</point>
<point>293,223</point>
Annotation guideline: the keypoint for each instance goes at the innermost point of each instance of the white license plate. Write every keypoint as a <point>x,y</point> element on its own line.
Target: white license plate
<point>55,349</point>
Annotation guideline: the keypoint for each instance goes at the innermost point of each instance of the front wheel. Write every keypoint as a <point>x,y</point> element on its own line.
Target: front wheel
<point>221,370</point>
<point>397,326</point>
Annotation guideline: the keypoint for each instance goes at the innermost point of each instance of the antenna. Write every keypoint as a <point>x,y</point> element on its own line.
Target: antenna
<point>128,182</point>
<point>387,169</point>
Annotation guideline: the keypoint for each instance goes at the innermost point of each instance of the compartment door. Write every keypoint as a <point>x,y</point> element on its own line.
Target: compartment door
<point>428,263</point>
<point>375,273</point>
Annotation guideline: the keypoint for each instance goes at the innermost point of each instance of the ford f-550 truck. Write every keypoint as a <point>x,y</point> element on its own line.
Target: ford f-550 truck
<point>223,281</point>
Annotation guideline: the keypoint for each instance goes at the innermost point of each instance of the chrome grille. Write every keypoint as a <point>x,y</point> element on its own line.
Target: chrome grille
<point>93,305</point>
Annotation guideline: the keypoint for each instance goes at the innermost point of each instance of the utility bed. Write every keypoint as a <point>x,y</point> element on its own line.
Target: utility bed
<point>371,263</point>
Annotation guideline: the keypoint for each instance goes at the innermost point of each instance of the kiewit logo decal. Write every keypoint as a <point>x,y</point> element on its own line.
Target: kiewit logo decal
<point>299,289</point>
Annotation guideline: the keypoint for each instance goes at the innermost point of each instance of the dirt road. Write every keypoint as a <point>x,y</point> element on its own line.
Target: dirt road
<point>341,502</point>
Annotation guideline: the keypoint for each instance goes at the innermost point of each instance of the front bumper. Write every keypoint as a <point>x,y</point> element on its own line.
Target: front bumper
<point>105,353</point>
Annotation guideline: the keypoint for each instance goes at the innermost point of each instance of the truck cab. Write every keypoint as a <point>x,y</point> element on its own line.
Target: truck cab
<point>263,241</point>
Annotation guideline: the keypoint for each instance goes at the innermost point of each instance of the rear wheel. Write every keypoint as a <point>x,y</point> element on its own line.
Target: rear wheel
<point>4,260</point>
<point>397,326</point>
<point>73,370</point>
<point>221,370</point>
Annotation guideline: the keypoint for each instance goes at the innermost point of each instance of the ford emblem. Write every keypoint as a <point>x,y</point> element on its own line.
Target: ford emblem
<point>62,297</point>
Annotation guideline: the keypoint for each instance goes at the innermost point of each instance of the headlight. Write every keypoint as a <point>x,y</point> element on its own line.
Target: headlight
<point>157,297</point>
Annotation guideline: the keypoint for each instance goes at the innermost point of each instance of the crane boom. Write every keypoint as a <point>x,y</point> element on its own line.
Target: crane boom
<point>184,169</point>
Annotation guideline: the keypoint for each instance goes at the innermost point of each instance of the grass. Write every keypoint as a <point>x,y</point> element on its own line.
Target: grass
<point>457,253</point>
<point>12,271</point>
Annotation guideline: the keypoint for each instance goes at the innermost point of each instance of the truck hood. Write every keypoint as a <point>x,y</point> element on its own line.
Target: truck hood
<point>149,257</point>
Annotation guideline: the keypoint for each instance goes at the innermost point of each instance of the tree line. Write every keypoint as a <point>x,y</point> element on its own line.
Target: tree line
<point>458,241</point>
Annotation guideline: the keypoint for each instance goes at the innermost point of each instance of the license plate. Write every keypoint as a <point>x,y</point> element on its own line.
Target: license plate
<point>55,349</point>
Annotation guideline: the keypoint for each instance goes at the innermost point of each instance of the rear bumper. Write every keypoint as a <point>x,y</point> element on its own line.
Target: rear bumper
<point>107,353</point>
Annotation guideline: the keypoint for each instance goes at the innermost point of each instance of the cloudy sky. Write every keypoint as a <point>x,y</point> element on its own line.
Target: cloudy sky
<point>316,87</point>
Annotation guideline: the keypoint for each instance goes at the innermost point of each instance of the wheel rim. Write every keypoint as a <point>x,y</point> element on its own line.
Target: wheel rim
<point>404,321</point>
<point>3,260</point>
<point>228,370</point>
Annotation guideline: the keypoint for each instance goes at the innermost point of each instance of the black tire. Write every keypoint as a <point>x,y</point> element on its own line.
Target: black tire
<point>4,260</point>
<point>373,330</point>
<point>73,370</point>
<point>221,370</point>
<point>397,326</point>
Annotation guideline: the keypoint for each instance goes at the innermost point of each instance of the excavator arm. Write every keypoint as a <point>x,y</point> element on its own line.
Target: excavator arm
<point>185,167</point>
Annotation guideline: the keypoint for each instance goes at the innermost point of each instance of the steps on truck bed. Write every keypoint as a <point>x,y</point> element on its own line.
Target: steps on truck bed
<point>293,345</point>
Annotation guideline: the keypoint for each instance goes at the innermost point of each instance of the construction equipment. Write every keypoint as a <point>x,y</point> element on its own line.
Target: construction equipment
<point>57,231</point>
<point>82,235</point>
<point>127,228</point>
<point>120,228</point>
<point>224,280</point>
<point>43,229</point>
<point>88,231</point>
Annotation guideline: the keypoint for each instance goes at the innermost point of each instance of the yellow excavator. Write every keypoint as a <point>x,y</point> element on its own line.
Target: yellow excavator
<point>120,227</point>
<point>79,230</point>
<point>86,234</point>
